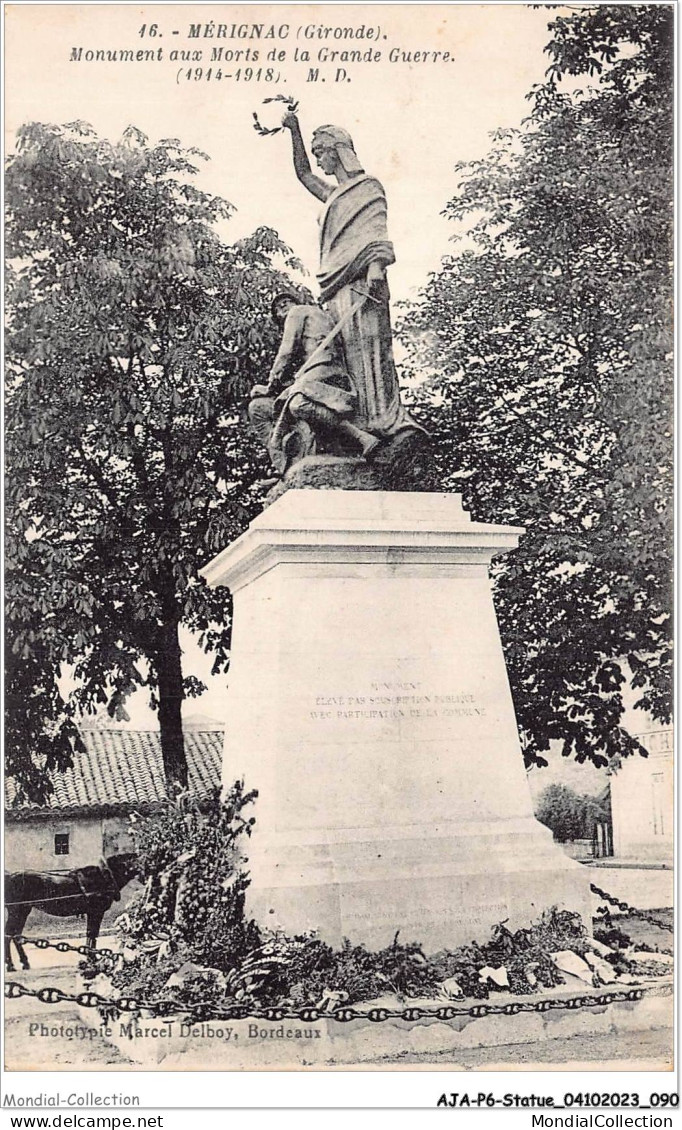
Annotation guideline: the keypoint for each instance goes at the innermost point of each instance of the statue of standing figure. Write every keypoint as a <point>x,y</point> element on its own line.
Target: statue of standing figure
<point>355,252</point>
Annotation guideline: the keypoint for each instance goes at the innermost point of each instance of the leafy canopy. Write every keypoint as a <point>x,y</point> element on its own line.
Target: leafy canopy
<point>547,339</point>
<point>134,332</point>
<point>570,815</point>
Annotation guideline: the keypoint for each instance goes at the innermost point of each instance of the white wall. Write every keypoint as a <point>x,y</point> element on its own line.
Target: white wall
<point>29,845</point>
<point>642,802</point>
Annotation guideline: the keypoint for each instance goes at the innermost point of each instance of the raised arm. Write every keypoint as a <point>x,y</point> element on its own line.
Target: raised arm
<point>318,187</point>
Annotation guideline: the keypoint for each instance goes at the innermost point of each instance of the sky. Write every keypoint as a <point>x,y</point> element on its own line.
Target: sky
<point>411,119</point>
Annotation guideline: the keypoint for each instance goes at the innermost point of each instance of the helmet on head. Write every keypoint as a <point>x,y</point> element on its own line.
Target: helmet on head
<point>284,296</point>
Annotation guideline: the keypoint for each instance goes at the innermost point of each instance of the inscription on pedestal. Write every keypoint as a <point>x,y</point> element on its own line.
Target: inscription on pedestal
<point>395,700</point>
<point>474,917</point>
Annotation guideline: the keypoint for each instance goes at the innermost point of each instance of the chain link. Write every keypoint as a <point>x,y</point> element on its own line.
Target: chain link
<point>627,909</point>
<point>88,999</point>
<point>63,947</point>
<point>345,1014</point>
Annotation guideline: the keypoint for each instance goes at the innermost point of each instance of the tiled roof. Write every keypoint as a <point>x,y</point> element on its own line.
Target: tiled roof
<point>125,768</point>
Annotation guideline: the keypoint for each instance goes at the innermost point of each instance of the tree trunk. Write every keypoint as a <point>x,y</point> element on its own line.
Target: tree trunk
<point>169,675</point>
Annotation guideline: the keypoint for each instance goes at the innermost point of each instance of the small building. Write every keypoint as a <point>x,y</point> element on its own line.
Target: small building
<point>642,790</point>
<point>85,817</point>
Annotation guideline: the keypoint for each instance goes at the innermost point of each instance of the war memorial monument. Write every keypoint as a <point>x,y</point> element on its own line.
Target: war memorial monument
<point>368,698</point>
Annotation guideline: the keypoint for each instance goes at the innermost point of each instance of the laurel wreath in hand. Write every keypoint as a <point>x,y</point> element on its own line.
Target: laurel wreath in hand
<point>288,101</point>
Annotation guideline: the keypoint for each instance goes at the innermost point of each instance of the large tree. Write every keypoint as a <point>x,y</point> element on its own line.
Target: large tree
<point>134,333</point>
<point>547,337</point>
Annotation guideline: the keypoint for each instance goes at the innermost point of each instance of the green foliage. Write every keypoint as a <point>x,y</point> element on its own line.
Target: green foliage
<point>569,815</point>
<point>187,943</point>
<point>134,332</point>
<point>40,729</point>
<point>191,863</point>
<point>309,972</point>
<point>547,340</point>
<point>612,935</point>
<point>312,970</point>
<point>525,954</point>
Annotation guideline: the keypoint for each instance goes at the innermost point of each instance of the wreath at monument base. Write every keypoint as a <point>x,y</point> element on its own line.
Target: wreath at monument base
<point>186,941</point>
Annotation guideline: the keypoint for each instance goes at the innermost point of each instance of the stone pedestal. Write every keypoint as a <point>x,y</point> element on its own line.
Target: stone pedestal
<point>369,704</point>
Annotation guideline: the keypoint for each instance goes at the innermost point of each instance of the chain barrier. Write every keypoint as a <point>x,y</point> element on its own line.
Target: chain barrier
<point>627,909</point>
<point>88,998</point>
<point>343,1014</point>
<point>63,947</point>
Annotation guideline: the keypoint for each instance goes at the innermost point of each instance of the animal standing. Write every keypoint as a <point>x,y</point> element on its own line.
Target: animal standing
<point>86,890</point>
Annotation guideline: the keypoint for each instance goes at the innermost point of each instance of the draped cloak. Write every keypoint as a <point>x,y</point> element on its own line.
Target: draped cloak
<point>353,234</point>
